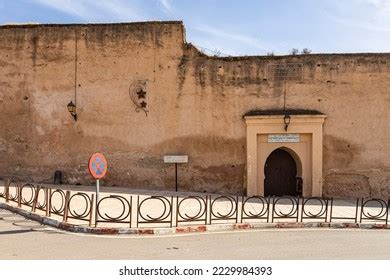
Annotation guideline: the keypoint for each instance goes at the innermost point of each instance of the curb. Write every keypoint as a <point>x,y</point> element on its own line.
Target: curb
<point>183,229</point>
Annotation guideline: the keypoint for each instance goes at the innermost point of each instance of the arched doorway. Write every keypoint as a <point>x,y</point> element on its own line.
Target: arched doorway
<point>280,172</point>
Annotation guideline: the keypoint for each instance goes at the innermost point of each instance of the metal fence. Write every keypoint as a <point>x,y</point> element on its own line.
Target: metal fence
<point>137,211</point>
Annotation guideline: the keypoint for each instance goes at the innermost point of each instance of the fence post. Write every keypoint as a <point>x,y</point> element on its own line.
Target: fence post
<point>300,209</point>
<point>327,210</point>
<point>34,206</point>
<point>66,207</point>
<point>331,210</point>
<point>242,207</point>
<point>273,208</point>
<point>91,212</point>
<point>171,223</point>
<point>48,201</point>
<point>19,194</point>
<point>177,211</point>
<point>361,210</point>
<point>131,210</point>
<point>210,208</point>
<point>137,221</point>
<point>268,207</point>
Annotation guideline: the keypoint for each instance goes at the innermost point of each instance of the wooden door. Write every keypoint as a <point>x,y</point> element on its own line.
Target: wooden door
<point>280,174</point>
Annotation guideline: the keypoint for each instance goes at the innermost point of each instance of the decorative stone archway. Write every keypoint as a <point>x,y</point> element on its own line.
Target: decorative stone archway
<point>265,132</point>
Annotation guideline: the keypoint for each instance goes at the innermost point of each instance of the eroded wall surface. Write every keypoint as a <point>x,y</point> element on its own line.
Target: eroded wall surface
<point>195,104</point>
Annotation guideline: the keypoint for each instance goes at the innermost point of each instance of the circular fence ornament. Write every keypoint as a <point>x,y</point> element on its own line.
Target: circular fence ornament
<point>97,166</point>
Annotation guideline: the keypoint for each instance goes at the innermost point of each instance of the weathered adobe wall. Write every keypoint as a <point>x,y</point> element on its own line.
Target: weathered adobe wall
<point>196,106</point>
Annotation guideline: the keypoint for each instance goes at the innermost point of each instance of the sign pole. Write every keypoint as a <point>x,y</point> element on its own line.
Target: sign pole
<point>96,202</point>
<point>176,160</point>
<point>97,191</point>
<point>176,174</point>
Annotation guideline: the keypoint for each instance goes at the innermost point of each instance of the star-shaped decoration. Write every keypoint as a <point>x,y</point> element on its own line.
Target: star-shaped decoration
<point>141,93</point>
<point>143,104</point>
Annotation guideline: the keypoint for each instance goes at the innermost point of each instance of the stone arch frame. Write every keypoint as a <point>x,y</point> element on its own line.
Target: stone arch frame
<point>309,149</point>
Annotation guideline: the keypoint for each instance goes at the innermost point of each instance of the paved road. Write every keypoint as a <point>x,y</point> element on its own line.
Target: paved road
<point>24,239</point>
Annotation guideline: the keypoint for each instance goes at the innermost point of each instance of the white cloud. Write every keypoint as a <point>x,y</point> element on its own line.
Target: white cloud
<point>67,6</point>
<point>213,47</point>
<point>96,10</point>
<point>369,26</point>
<point>382,5</point>
<point>369,15</point>
<point>243,39</point>
<point>167,5</point>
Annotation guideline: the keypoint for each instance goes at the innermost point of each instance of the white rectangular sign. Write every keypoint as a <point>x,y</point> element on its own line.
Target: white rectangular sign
<point>175,159</point>
<point>283,138</point>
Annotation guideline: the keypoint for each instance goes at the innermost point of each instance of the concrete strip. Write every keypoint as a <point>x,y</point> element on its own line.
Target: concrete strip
<point>263,225</point>
<point>164,231</point>
<point>325,224</point>
<point>144,231</point>
<point>312,225</point>
<point>188,229</point>
<point>127,231</point>
<point>242,226</point>
<point>50,222</point>
<point>220,227</point>
<point>374,226</point>
<point>289,225</point>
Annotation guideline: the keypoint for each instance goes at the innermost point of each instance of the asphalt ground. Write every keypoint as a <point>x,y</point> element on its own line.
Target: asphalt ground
<point>25,239</point>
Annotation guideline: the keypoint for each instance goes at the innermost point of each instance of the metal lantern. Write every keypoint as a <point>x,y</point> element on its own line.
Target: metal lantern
<point>286,120</point>
<point>72,110</point>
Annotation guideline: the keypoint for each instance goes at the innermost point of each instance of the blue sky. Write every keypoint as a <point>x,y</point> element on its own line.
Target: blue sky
<point>239,27</point>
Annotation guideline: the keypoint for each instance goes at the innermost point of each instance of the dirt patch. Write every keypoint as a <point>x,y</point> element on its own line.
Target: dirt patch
<point>339,152</point>
<point>346,185</point>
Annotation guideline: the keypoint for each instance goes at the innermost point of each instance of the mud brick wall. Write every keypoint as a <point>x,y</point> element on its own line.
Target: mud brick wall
<point>195,102</point>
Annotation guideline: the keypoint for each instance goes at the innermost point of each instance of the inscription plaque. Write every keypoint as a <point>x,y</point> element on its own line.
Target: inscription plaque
<point>283,138</point>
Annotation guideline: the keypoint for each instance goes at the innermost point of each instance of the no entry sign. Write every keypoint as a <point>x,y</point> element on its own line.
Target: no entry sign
<point>97,166</point>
